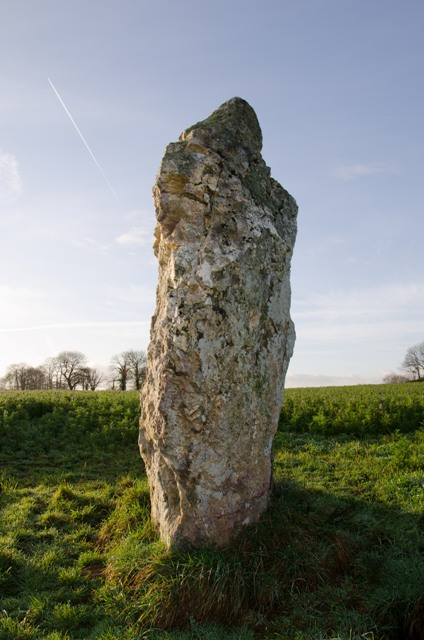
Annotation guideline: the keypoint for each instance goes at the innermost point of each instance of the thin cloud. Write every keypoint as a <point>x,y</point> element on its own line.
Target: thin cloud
<point>296,380</point>
<point>374,313</point>
<point>353,335</point>
<point>10,179</point>
<point>135,237</point>
<point>372,302</point>
<point>131,294</point>
<point>9,293</point>
<point>20,305</point>
<point>78,325</point>
<point>86,242</point>
<point>325,244</point>
<point>140,232</point>
<point>361,170</point>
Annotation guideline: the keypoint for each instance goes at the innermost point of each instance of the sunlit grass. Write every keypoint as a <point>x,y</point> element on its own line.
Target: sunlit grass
<point>339,553</point>
<point>362,410</point>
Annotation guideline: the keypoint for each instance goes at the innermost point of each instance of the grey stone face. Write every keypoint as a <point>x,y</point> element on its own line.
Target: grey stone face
<point>221,336</point>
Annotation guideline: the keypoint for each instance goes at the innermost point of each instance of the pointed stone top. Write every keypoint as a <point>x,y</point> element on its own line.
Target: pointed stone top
<point>233,125</point>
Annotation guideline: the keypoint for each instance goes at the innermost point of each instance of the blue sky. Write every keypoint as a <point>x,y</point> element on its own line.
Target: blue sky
<point>338,89</point>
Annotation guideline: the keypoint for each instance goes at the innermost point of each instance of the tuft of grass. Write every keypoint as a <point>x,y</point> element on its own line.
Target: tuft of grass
<point>63,493</point>
<point>13,629</point>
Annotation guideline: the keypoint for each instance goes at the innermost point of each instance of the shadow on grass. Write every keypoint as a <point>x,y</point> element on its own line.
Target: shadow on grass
<point>72,464</point>
<point>315,564</point>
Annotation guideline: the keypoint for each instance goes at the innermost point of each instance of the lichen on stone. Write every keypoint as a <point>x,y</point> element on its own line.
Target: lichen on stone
<point>221,336</point>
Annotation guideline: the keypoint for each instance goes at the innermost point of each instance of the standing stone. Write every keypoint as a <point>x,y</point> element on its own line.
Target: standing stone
<point>221,336</point>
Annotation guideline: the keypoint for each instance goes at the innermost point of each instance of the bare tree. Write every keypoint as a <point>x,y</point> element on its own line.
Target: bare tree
<point>90,378</point>
<point>52,372</point>
<point>128,367</point>
<point>23,377</point>
<point>35,378</point>
<point>138,362</point>
<point>15,376</point>
<point>392,378</point>
<point>96,378</point>
<point>68,370</point>
<point>70,364</point>
<point>413,362</point>
<point>121,370</point>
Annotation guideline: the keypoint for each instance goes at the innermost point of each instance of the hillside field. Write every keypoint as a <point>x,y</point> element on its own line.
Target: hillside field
<point>338,555</point>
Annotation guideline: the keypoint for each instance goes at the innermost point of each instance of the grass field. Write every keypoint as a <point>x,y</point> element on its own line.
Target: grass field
<point>339,554</point>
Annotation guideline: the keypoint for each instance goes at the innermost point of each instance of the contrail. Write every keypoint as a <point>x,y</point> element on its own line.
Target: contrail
<point>84,141</point>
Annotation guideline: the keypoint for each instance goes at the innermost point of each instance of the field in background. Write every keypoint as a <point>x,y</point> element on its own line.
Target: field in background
<point>362,410</point>
<point>339,554</point>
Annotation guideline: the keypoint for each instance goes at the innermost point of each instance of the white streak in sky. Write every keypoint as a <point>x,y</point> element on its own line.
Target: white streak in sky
<point>84,141</point>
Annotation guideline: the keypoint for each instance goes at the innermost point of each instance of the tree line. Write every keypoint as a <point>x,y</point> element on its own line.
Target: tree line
<point>69,370</point>
<point>412,367</point>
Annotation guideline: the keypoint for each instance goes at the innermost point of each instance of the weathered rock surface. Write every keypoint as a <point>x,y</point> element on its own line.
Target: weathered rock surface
<point>221,336</point>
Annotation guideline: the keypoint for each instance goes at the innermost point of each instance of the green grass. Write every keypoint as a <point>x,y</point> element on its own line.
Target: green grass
<point>361,410</point>
<point>339,553</point>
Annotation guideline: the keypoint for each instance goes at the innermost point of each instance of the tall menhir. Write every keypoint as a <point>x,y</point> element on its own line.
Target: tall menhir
<point>221,336</point>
